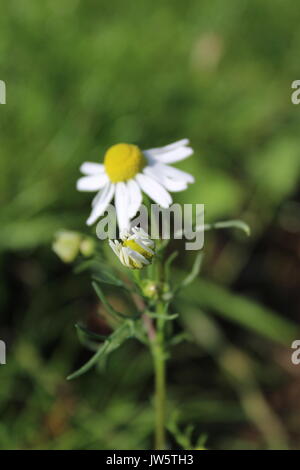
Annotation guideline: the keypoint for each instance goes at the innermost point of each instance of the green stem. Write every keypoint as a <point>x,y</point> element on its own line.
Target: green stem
<point>160,398</point>
<point>158,354</point>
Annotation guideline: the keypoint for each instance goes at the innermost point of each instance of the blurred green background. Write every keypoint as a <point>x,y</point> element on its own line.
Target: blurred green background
<point>82,75</point>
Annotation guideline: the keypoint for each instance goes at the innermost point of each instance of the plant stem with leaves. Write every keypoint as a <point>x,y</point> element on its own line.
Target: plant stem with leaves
<point>152,291</point>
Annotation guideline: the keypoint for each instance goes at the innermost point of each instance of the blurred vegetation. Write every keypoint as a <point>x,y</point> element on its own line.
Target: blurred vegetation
<point>82,75</point>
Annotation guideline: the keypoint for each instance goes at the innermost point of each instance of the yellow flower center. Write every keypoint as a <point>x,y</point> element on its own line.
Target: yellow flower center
<point>136,247</point>
<point>123,161</point>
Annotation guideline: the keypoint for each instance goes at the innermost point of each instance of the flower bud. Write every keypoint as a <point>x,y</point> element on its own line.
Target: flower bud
<point>87,247</point>
<point>135,250</point>
<point>66,245</point>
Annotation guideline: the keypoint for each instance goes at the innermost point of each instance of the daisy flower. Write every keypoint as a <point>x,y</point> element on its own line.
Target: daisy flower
<point>135,250</point>
<point>128,171</point>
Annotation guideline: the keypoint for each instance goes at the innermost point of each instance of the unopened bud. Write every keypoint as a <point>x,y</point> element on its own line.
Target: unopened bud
<point>66,245</point>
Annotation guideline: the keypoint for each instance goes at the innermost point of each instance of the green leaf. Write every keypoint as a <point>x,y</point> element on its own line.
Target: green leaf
<point>162,316</point>
<point>239,224</point>
<point>193,274</point>
<point>202,327</point>
<point>88,365</point>
<point>108,306</point>
<point>90,334</point>
<point>177,339</point>
<point>100,272</point>
<point>240,310</point>
<point>201,441</point>
<point>111,343</point>
<point>168,264</point>
<point>183,438</point>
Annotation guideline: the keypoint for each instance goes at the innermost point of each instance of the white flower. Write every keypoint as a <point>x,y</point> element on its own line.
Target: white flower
<point>136,249</point>
<point>127,171</point>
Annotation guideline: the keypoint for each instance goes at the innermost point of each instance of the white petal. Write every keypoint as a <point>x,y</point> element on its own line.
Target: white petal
<point>175,173</point>
<point>135,197</point>
<point>92,168</point>
<point>174,185</point>
<point>144,247</point>
<point>154,190</point>
<point>96,198</point>
<point>91,183</point>
<point>159,173</point>
<point>114,247</point>
<point>122,205</point>
<point>176,155</point>
<point>166,148</point>
<point>124,256</point>
<point>154,172</point>
<point>102,203</point>
<point>137,257</point>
